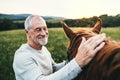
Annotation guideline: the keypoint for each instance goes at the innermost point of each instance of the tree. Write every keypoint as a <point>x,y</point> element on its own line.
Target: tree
<point>7,24</point>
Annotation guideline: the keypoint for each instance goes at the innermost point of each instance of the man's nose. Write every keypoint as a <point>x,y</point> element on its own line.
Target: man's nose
<point>43,32</point>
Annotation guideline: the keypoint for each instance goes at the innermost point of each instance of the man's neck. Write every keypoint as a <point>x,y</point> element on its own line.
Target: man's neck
<point>35,46</point>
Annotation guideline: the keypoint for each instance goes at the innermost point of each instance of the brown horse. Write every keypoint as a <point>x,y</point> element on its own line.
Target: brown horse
<point>106,63</point>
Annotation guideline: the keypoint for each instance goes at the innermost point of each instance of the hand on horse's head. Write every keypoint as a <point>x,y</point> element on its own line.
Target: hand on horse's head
<point>88,49</point>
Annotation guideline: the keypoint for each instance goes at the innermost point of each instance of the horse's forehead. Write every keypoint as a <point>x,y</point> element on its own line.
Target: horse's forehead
<point>89,32</point>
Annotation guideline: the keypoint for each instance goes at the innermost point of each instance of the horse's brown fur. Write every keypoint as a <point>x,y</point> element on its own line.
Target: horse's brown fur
<point>106,63</point>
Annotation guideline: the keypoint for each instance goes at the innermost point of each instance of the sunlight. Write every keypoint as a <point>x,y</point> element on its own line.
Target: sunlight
<point>61,8</point>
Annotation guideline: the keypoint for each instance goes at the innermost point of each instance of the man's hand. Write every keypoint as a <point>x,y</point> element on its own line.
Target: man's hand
<point>89,48</point>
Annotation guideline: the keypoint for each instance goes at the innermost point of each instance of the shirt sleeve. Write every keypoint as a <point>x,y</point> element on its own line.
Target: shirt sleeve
<point>27,69</point>
<point>57,66</point>
<point>68,72</point>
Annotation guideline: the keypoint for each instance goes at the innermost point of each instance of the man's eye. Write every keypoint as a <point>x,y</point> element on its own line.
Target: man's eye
<point>38,29</point>
<point>45,29</point>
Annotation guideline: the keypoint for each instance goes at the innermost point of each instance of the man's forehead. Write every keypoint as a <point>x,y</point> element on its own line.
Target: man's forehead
<point>38,22</point>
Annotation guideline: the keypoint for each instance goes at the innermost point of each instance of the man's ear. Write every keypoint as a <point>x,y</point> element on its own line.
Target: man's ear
<point>26,31</point>
<point>27,34</point>
<point>70,34</point>
<point>97,26</point>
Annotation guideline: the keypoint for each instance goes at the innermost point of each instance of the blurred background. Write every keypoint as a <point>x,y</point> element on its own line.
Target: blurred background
<point>76,13</point>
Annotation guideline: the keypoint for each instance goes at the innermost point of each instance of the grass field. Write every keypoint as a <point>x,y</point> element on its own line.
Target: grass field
<point>10,41</point>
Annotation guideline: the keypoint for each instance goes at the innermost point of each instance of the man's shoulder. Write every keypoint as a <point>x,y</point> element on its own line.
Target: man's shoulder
<point>22,51</point>
<point>23,47</point>
<point>22,56</point>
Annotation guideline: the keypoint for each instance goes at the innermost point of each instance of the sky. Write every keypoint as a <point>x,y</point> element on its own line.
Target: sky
<point>61,8</point>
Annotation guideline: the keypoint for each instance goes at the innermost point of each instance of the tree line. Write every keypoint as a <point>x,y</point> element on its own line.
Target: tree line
<point>108,21</point>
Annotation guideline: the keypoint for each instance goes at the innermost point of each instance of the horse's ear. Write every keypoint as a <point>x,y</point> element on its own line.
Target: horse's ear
<point>70,34</point>
<point>97,26</point>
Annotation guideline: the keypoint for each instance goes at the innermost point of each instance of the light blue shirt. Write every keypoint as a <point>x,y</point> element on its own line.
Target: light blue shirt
<point>32,64</point>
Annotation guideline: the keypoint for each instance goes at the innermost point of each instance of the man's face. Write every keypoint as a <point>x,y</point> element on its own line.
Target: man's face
<point>38,32</point>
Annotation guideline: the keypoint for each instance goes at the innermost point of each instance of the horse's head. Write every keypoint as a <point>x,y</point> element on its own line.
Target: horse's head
<point>75,37</point>
<point>106,63</point>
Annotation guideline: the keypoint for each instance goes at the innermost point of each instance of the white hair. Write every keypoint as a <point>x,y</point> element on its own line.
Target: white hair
<point>28,24</point>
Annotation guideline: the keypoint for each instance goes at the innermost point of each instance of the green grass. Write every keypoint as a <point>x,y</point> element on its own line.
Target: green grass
<point>113,33</point>
<point>10,41</point>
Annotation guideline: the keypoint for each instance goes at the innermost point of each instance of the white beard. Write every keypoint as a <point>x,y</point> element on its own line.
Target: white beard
<point>42,42</point>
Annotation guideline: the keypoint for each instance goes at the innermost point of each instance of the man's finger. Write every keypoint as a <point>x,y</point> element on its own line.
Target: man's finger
<point>99,47</point>
<point>82,42</point>
<point>97,40</point>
